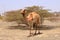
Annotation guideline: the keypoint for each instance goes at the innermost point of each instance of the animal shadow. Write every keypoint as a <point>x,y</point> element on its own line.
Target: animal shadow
<point>43,27</point>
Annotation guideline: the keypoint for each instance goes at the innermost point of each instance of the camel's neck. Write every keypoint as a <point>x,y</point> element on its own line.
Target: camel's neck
<point>23,14</point>
<point>25,20</point>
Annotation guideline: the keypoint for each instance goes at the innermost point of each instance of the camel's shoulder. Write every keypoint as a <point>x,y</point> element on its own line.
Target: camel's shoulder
<point>33,13</point>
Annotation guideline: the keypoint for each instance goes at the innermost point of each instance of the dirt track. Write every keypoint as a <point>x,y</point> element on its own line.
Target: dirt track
<point>50,32</point>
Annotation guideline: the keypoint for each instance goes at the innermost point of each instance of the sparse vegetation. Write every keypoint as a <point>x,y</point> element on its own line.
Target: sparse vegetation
<point>16,15</point>
<point>0,17</point>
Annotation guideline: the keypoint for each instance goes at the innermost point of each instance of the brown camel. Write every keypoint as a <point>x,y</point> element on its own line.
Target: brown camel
<point>33,20</point>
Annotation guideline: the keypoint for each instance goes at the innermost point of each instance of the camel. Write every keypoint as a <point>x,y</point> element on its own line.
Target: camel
<point>33,20</point>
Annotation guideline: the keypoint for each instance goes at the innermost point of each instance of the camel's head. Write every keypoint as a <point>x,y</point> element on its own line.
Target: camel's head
<point>23,11</point>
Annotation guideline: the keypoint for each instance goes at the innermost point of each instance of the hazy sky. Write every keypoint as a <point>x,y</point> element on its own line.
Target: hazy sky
<point>7,5</point>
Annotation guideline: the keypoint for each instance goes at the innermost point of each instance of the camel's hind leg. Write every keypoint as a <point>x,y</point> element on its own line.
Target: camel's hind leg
<point>35,27</point>
<point>38,30</point>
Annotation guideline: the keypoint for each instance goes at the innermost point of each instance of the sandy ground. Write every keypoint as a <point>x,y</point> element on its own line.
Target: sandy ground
<point>50,31</point>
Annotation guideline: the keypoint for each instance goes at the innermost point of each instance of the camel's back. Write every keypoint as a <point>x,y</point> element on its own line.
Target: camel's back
<point>35,15</point>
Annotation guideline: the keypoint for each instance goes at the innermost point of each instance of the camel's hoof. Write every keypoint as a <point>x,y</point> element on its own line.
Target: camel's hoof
<point>30,35</point>
<point>35,33</point>
<point>39,33</point>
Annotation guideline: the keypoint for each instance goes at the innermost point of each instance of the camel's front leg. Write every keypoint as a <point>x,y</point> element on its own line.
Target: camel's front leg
<point>31,28</point>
